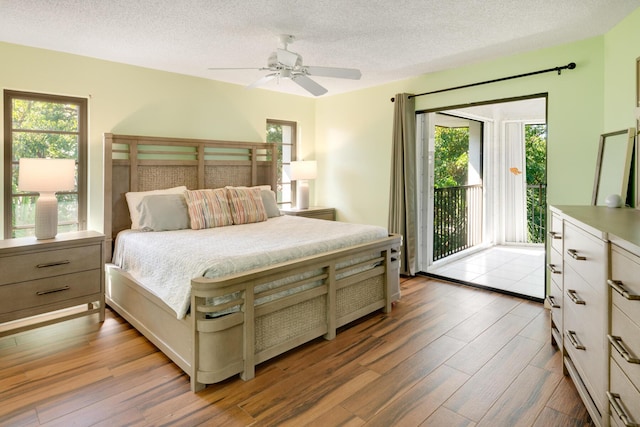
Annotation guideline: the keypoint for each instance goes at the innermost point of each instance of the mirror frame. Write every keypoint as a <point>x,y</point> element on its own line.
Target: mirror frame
<point>637,129</point>
<point>638,82</point>
<point>626,166</point>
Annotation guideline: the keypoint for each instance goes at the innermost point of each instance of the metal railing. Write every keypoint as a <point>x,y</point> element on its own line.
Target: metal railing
<point>536,212</point>
<point>457,219</point>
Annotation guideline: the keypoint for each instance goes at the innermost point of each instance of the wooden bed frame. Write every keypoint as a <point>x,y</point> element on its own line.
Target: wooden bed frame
<point>211,348</point>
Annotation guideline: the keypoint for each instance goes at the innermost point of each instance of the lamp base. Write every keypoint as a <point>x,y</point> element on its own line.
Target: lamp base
<point>302,201</point>
<point>46,216</point>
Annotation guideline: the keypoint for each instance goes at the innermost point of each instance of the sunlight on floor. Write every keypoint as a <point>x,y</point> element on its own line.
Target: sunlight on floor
<point>518,269</point>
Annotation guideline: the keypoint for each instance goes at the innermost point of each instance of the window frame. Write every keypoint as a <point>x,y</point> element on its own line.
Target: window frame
<point>294,150</point>
<point>82,135</point>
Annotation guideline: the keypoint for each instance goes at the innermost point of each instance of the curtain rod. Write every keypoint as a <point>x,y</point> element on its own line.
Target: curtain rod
<point>569,66</point>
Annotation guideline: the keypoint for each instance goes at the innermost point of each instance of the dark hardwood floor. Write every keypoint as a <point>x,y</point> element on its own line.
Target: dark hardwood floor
<point>448,355</point>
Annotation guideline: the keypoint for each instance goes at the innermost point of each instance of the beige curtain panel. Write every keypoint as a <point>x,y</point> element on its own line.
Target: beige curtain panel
<point>402,201</point>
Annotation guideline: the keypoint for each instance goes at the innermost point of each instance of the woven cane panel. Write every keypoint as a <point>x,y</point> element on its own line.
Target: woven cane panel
<point>280,326</point>
<point>157,177</point>
<point>264,174</point>
<point>359,295</point>
<point>223,175</point>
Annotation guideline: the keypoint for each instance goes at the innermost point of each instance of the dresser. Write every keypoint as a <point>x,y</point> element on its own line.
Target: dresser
<point>316,212</point>
<point>594,270</point>
<point>47,281</point>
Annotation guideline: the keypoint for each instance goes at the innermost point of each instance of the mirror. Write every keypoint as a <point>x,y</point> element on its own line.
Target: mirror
<point>613,165</point>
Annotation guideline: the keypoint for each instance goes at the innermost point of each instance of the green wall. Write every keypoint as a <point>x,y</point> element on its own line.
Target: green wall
<point>134,100</point>
<point>622,48</point>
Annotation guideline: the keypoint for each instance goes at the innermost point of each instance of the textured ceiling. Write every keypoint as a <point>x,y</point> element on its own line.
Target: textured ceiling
<point>387,40</point>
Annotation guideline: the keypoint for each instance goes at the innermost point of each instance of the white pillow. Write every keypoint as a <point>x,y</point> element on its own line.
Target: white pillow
<point>134,199</point>
<point>270,203</point>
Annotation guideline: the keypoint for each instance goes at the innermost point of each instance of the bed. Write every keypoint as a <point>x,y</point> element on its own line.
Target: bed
<point>229,321</point>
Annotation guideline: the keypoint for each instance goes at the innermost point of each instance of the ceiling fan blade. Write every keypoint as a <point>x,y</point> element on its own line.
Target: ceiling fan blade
<point>287,58</point>
<point>263,80</point>
<point>309,85</point>
<point>340,73</point>
<point>238,68</point>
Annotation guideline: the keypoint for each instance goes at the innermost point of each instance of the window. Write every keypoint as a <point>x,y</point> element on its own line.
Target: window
<point>284,135</point>
<point>43,126</point>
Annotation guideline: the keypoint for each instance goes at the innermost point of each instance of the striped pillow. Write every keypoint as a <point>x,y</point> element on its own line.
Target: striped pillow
<point>208,208</point>
<point>246,205</point>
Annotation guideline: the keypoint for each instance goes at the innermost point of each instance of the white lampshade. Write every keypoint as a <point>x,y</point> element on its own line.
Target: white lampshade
<point>46,176</point>
<point>304,170</point>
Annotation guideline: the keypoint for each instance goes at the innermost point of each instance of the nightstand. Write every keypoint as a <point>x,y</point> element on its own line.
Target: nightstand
<point>316,212</point>
<point>48,281</point>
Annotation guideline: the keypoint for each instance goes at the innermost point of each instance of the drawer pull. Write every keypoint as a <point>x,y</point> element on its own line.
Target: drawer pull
<point>552,301</point>
<point>573,253</point>
<point>617,343</point>
<point>52,291</point>
<point>614,401</point>
<point>573,296</point>
<point>552,269</point>
<point>53,264</point>
<point>555,235</point>
<point>571,335</point>
<point>618,286</point>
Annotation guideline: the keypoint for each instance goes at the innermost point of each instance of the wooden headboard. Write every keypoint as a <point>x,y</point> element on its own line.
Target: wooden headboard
<point>142,163</point>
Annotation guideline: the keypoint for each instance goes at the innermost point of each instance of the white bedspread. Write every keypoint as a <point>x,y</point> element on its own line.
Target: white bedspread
<point>164,262</point>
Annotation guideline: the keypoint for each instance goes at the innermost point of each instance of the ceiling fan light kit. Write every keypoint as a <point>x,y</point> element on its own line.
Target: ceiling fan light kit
<point>285,64</point>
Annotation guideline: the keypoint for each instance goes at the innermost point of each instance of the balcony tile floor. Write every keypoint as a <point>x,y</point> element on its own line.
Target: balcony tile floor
<point>517,269</point>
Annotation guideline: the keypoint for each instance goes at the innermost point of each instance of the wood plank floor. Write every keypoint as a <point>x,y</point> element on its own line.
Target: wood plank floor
<point>448,355</point>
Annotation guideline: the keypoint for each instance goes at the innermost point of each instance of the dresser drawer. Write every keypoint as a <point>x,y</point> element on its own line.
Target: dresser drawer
<point>589,303</point>
<point>625,344</point>
<point>555,267</point>
<point>36,293</point>
<point>625,272</point>
<point>555,234</point>
<point>584,341</point>
<point>623,397</point>
<point>555,301</point>
<point>37,265</point>
<point>586,254</point>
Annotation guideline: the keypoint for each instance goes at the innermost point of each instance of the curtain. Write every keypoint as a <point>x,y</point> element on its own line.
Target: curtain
<point>514,174</point>
<point>402,200</point>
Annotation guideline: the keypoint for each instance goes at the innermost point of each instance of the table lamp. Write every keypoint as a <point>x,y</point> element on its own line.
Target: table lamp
<point>302,171</point>
<point>46,176</point>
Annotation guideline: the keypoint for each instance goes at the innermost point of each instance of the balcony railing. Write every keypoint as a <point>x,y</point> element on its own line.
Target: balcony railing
<point>457,219</point>
<point>536,212</point>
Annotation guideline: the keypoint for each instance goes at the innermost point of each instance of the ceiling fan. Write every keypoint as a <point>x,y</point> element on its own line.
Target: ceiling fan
<point>285,64</point>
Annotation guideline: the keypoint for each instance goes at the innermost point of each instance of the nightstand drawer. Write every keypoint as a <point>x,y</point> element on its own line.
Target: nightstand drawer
<point>315,212</point>
<point>37,265</point>
<point>327,214</point>
<point>35,293</point>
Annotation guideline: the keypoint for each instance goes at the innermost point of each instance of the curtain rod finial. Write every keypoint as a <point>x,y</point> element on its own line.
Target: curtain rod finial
<point>393,99</point>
